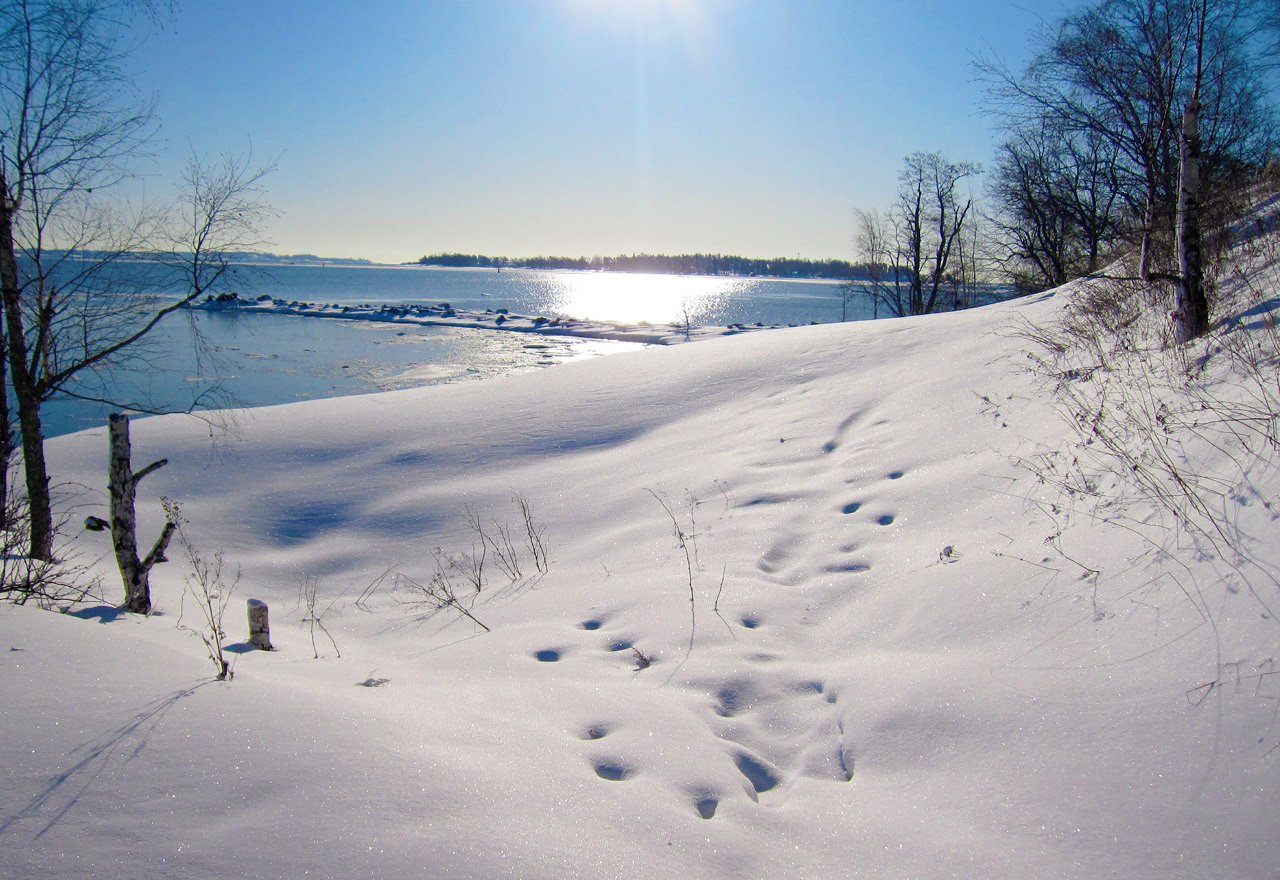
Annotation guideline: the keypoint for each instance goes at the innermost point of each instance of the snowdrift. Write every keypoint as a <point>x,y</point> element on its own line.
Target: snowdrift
<point>806,616</point>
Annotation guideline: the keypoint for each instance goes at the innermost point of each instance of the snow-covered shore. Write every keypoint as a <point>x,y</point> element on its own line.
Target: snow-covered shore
<point>444,315</point>
<point>883,656</point>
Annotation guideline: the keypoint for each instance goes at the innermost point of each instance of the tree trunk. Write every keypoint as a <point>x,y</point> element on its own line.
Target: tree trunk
<point>135,572</point>
<point>6,435</point>
<point>1191,306</point>
<point>39,505</point>
<point>1144,250</point>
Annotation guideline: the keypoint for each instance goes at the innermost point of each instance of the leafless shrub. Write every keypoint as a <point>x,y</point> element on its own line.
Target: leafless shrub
<point>459,577</point>
<point>362,601</point>
<point>534,533</point>
<point>497,538</point>
<point>208,589</point>
<point>56,584</point>
<point>686,539</point>
<point>716,605</point>
<point>440,591</point>
<point>314,619</point>
<point>467,565</point>
<point>1169,442</point>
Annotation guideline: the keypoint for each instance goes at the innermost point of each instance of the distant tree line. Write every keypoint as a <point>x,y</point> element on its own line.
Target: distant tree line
<point>682,264</point>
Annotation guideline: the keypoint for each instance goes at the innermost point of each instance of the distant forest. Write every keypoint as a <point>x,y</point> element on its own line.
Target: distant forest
<point>683,264</point>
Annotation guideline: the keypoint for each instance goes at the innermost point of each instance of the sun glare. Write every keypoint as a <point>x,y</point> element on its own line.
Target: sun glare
<point>687,15</point>
<point>636,298</point>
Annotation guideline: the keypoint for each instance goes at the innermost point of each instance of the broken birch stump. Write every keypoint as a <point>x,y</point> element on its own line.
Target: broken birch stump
<point>259,625</point>
<point>123,487</point>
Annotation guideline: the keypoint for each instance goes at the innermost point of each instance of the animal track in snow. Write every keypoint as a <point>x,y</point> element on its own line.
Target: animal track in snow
<point>729,702</point>
<point>885,520</point>
<point>845,758</point>
<point>777,556</point>
<point>762,777</point>
<point>750,622</point>
<point>548,655</point>
<point>771,561</point>
<point>592,625</point>
<point>841,430</point>
<point>847,568</point>
<point>896,475</point>
<point>596,731</point>
<point>766,500</point>
<point>623,645</point>
<point>851,507</point>
<point>706,806</point>
<point>787,549</point>
<point>614,771</point>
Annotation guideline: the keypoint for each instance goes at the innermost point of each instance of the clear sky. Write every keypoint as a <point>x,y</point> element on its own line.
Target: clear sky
<point>577,127</point>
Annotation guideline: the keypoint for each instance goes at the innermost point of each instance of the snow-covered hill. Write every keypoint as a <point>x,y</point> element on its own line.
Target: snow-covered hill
<point>893,665</point>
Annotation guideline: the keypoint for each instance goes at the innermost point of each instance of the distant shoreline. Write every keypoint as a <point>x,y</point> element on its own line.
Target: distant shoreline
<point>708,265</point>
<point>336,264</point>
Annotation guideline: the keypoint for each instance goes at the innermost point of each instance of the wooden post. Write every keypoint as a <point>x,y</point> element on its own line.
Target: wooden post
<point>259,626</point>
<point>123,488</point>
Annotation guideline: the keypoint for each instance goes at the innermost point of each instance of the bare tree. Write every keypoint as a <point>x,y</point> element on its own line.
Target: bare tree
<point>973,258</point>
<point>1121,70</point>
<point>1191,303</point>
<point>1055,203</point>
<point>135,572</point>
<point>918,241</point>
<point>872,241</point>
<point>47,584</point>
<point>76,296</point>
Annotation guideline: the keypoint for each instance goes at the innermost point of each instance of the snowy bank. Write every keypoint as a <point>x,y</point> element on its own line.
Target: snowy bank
<point>806,616</point>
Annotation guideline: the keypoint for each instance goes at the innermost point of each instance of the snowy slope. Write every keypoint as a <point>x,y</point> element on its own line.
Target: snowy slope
<point>842,699</point>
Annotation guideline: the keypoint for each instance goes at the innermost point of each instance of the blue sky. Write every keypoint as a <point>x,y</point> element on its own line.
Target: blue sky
<point>573,127</point>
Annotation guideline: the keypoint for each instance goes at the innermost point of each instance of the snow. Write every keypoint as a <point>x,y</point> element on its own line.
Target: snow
<point>845,698</point>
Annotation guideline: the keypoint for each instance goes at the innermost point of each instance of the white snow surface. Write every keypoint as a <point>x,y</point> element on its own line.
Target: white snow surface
<point>848,699</point>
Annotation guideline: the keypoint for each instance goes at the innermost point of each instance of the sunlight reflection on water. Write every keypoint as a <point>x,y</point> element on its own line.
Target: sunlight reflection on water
<point>635,298</point>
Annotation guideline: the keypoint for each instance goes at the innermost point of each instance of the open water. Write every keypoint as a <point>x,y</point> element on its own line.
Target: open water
<point>255,360</point>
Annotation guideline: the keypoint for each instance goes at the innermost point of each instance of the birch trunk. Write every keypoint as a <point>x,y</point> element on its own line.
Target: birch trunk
<point>1191,306</point>
<point>135,572</point>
